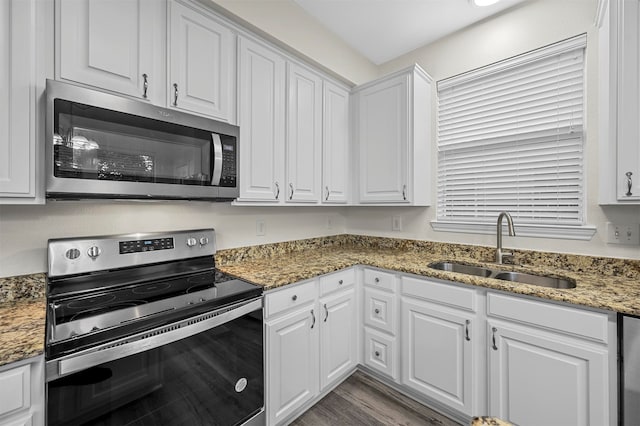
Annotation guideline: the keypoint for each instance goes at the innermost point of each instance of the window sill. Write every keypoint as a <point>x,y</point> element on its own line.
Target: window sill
<point>584,233</point>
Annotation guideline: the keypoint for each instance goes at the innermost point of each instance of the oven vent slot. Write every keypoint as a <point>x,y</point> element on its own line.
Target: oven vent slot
<point>209,316</point>
<point>144,336</point>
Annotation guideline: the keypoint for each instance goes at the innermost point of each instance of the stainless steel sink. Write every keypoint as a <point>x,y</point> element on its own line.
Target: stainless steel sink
<point>462,268</point>
<point>519,277</point>
<point>540,280</point>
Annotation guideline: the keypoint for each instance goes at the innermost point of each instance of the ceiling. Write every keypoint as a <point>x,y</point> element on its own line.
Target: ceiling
<point>382,30</point>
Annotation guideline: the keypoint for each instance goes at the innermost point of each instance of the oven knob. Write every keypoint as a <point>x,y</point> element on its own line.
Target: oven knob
<point>94,252</point>
<point>72,254</point>
<point>204,241</point>
<point>191,242</point>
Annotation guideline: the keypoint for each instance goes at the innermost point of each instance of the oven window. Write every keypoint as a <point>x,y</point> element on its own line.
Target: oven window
<point>95,143</point>
<point>212,378</point>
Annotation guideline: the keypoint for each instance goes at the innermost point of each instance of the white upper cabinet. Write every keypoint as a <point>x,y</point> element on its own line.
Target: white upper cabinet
<point>115,45</point>
<point>262,122</point>
<point>201,64</point>
<point>26,30</point>
<point>304,135</point>
<point>393,138</point>
<point>335,145</point>
<point>619,56</point>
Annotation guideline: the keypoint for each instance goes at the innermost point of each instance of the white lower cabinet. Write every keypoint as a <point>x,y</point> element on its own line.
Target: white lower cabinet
<point>292,362</point>
<point>311,341</point>
<point>464,350</point>
<point>550,364</point>
<point>22,393</point>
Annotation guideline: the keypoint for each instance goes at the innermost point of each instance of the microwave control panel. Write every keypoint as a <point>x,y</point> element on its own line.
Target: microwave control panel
<point>229,161</point>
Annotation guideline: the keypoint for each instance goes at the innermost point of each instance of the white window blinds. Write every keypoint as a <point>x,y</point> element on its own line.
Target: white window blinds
<point>510,138</point>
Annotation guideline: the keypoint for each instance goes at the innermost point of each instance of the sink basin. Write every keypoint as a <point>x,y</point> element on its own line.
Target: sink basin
<point>543,281</point>
<point>462,268</point>
<point>518,277</point>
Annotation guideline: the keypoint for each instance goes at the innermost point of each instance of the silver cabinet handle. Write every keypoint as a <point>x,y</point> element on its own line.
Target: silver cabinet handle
<point>493,338</point>
<point>145,85</point>
<point>377,354</point>
<point>292,190</point>
<point>175,94</point>
<point>376,310</point>
<point>313,317</point>
<point>404,192</point>
<point>326,313</point>
<point>377,280</point>
<point>340,282</point>
<point>326,198</point>
<point>629,184</point>
<point>277,190</point>
<point>466,330</point>
<point>294,297</point>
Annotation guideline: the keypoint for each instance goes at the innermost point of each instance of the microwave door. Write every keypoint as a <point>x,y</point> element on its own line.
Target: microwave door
<point>216,173</point>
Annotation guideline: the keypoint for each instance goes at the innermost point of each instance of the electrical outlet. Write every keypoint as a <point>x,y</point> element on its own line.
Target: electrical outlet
<point>261,227</point>
<point>396,223</point>
<point>623,234</point>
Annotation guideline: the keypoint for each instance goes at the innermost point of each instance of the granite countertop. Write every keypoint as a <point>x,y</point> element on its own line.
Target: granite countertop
<point>596,286</point>
<point>22,326</point>
<point>604,283</point>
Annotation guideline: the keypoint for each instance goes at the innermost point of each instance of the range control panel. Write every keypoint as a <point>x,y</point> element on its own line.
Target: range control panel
<point>67,256</point>
<point>138,246</point>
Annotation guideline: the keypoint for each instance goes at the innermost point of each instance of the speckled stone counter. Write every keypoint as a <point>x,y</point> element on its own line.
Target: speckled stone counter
<point>604,283</point>
<point>22,317</point>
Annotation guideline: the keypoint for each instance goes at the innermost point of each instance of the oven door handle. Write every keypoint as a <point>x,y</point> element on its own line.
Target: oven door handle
<point>146,340</point>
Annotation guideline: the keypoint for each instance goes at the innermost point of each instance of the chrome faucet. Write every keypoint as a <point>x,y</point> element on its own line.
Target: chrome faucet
<point>512,232</point>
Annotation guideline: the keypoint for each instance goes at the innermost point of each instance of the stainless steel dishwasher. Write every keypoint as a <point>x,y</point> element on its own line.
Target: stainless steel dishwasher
<point>630,371</point>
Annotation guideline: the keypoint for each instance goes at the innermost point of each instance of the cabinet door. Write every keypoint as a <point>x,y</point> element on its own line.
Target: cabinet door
<point>338,337</point>
<point>335,144</point>
<point>261,97</point>
<point>304,135</point>
<point>383,131</point>
<point>17,100</point>
<point>438,354</point>
<point>202,64</point>
<point>292,362</point>
<point>538,378</point>
<point>113,45</point>
<point>628,176</point>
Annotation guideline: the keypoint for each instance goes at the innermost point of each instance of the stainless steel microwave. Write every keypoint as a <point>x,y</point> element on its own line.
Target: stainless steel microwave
<point>100,145</point>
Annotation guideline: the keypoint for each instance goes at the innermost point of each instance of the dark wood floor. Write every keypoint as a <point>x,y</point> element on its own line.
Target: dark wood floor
<point>361,400</point>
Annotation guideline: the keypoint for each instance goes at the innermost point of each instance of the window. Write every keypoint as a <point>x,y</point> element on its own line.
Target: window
<point>510,138</point>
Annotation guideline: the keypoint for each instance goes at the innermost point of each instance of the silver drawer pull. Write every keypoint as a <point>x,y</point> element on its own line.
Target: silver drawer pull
<point>145,85</point>
<point>377,311</point>
<point>377,354</point>
<point>377,279</point>
<point>294,297</point>
<point>629,184</point>
<point>175,94</point>
<point>340,282</point>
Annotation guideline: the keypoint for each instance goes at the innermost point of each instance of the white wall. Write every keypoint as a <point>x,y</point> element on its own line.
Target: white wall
<point>530,25</point>
<point>24,230</point>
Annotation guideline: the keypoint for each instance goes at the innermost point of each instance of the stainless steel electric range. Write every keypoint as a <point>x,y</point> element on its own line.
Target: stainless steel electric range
<point>143,330</point>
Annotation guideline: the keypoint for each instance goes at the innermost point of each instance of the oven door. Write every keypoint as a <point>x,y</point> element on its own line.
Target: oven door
<point>206,370</point>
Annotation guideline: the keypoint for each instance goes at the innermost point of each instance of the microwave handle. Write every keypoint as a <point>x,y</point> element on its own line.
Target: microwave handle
<point>217,160</point>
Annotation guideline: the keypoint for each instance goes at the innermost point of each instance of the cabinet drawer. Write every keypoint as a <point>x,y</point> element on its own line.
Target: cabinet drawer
<point>380,351</point>
<point>378,279</point>
<point>573,321</point>
<point>337,281</point>
<point>289,297</point>
<point>15,394</point>
<point>379,310</point>
<point>443,293</point>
